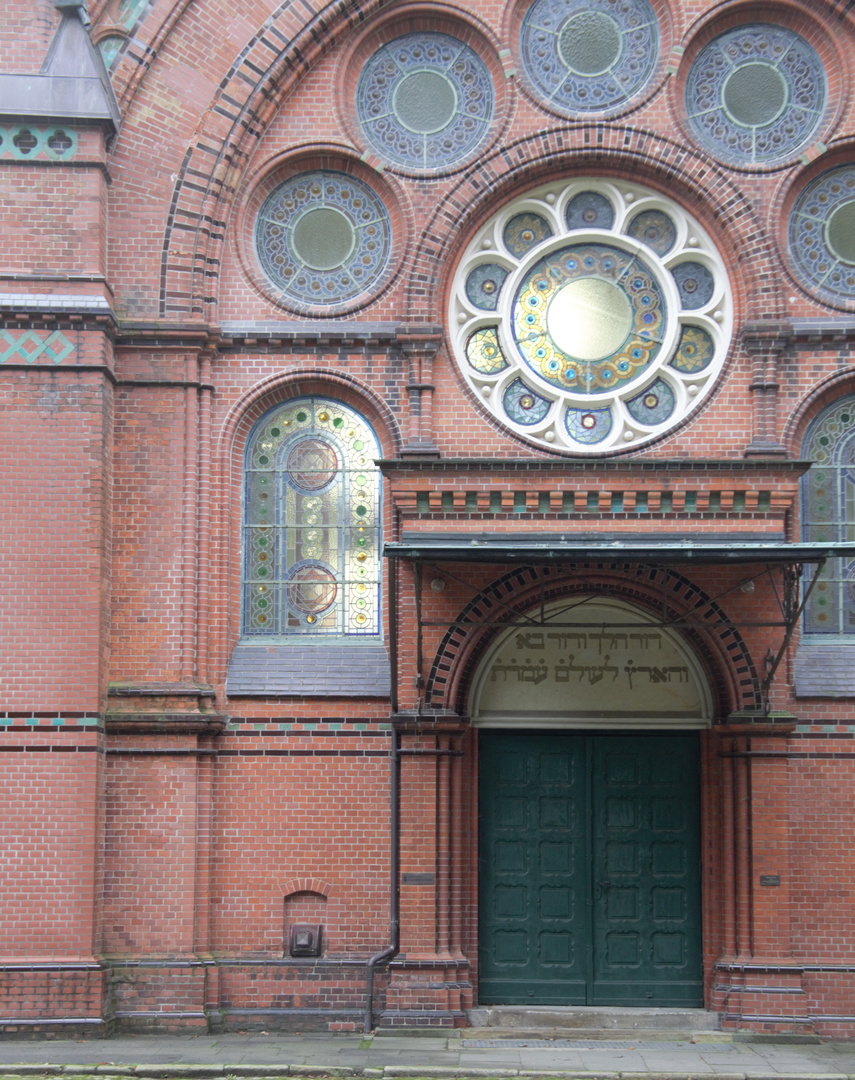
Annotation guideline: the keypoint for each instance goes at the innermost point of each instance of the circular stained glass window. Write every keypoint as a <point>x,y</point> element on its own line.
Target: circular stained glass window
<point>312,465</point>
<point>425,101</point>
<point>583,56</point>
<point>311,588</point>
<point>822,234</point>
<point>756,95</point>
<point>323,238</point>
<point>607,320</point>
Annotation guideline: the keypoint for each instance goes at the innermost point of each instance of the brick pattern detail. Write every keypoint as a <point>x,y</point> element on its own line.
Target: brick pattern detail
<point>720,646</point>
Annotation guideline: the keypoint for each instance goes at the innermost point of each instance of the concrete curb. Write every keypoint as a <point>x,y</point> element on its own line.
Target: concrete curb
<point>389,1072</point>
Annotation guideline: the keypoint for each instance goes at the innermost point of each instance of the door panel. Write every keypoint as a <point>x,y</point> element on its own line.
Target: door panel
<point>589,873</point>
<point>533,902</point>
<point>645,856</point>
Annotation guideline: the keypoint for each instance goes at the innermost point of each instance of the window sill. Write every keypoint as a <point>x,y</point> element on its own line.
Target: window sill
<point>324,668</point>
<point>825,669</point>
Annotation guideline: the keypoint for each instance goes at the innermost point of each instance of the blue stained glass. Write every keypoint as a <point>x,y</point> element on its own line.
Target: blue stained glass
<point>654,405</point>
<point>756,94</point>
<point>828,515</point>
<point>588,425</point>
<point>695,283</point>
<point>584,56</point>
<point>525,231</point>
<point>589,210</point>
<point>523,405</point>
<point>484,284</point>
<point>655,229</point>
<point>323,238</point>
<point>822,234</point>
<point>425,101</point>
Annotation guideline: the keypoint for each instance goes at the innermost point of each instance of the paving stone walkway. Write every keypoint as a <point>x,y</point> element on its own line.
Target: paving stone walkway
<point>435,1056</point>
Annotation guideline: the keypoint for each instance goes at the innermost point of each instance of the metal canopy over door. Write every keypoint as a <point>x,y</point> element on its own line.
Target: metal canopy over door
<point>590,869</point>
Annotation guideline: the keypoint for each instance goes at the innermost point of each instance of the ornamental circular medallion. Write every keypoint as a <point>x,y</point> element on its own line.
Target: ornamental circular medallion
<point>323,238</point>
<point>755,95</point>
<point>425,102</point>
<point>607,320</point>
<point>822,235</point>
<point>312,465</point>
<point>583,56</point>
<point>311,588</point>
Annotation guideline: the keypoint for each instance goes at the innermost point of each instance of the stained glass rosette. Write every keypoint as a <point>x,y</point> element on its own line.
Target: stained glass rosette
<point>755,95</point>
<point>583,56</point>
<point>609,288</point>
<point>822,235</point>
<point>591,317</point>
<point>425,101</point>
<point>311,523</point>
<point>323,239</point>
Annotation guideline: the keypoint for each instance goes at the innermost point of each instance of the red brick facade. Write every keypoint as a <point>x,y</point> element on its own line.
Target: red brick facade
<point>161,835</point>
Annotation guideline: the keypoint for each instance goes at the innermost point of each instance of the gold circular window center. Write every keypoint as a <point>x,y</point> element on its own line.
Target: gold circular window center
<point>589,319</point>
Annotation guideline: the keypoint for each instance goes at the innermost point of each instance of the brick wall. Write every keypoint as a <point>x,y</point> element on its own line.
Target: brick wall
<point>161,837</point>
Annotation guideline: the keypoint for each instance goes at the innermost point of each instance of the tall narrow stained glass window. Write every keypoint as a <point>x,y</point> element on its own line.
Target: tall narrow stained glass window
<point>828,515</point>
<point>311,523</point>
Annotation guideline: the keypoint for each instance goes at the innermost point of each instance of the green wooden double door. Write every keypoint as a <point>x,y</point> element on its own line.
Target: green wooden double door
<point>589,875</point>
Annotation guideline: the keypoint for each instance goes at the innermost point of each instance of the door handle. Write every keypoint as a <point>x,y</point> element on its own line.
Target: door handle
<point>600,886</point>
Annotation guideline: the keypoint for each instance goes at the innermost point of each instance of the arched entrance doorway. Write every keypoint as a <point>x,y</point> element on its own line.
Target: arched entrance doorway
<point>589,811</point>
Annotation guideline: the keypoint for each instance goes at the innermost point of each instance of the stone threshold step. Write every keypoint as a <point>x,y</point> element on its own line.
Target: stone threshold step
<point>646,1034</point>
<point>538,1017</point>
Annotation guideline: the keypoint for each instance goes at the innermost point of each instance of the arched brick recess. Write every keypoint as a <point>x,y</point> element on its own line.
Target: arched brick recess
<point>717,643</point>
<point>306,885</point>
<point>612,152</point>
<point>148,37</point>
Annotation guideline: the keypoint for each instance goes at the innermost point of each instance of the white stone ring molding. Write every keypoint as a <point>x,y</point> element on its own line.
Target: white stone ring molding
<point>591,317</point>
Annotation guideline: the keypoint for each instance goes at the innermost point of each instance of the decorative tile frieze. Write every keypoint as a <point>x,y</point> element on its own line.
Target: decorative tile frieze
<point>24,142</point>
<point>33,346</point>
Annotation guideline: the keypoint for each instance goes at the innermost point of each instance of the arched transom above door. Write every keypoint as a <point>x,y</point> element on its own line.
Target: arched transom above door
<point>591,317</point>
<point>591,662</point>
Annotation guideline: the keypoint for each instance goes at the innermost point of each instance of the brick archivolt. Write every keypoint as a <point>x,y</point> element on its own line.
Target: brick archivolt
<point>664,592</point>
<point>611,152</point>
<point>213,172</point>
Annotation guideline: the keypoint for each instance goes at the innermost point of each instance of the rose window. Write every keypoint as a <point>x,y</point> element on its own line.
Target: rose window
<point>584,56</point>
<point>822,235</point>
<point>591,317</point>
<point>756,95</point>
<point>425,101</point>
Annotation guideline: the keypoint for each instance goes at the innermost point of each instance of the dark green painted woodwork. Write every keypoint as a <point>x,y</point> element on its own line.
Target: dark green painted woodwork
<point>589,886</point>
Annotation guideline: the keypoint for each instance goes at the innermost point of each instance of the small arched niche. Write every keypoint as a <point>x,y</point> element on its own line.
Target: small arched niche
<point>591,662</point>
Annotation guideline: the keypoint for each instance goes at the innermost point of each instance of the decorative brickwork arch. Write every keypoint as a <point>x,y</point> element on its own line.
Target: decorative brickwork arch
<point>317,886</point>
<point>289,41</point>
<point>835,386</point>
<point>659,590</point>
<point>609,151</point>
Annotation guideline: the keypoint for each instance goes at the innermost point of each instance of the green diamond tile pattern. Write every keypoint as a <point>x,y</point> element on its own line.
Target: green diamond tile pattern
<point>31,347</point>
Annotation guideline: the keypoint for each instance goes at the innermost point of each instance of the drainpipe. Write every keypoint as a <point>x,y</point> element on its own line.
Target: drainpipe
<point>385,955</point>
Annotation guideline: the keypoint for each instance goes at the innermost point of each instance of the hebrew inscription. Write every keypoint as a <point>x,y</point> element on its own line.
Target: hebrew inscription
<point>599,671</point>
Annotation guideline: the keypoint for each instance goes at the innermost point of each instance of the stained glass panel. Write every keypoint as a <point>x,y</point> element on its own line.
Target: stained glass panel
<point>311,522</point>
<point>828,515</point>
<point>591,318</point>
<point>583,56</point>
<point>756,94</point>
